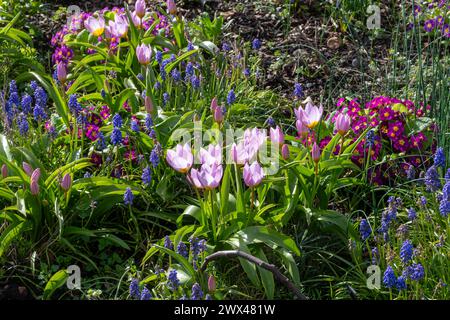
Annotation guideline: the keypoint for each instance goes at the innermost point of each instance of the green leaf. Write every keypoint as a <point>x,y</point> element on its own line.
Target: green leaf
<point>266,276</point>
<point>11,232</point>
<point>55,282</point>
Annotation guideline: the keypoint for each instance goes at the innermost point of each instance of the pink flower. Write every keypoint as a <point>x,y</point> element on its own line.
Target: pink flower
<point>117,28</point>
<point>218,115</point>
<point>342,124</point>
<point>180,158</point>
<point>253,174</point>
<point>139,8</point>
<point>386,114</point>
<point>27,168</point>
<point>212,155</point>
<point>148,104</point>
<point>285,152</point>
<point>214,105</point>
<point>207,177</point>
<point>315,152</point>
<point>144,54</point>
<point>276,136</point>
<point>4,171</point>
<point>136,20</point>
<point>171,7</point>
<point>95,26</point>
<point>302,130</point>
<point>66,182</point>
<point>211,283</point>
<point>311,115</point>
<point>34,185</point>
<point>238,153</point>
<point>61,72</point>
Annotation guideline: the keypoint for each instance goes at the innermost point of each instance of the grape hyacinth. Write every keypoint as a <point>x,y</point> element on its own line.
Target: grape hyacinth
<point>172,280</point>
<point>182,250</point>
<point>298,90</point>
<point>128,197</point>
<point>148,122</point>
<point>154,157</point>
<point>401,283</point>
<point>412,214</point>
<point>146,176</point>
<point>256,44</point>
<point>168,244</point>
<point>197,293</point>
<point>406,251</point>
<point>22,124</point>
<point>415,272</point>
<point>365,229</point>
<point>231,97</point>
<point>134,125</point>
<point>389,279</point>
<point>116,136</point>
<point>117,121</point>
<point>439,158</point>
<point>145,294</point>
<point>27,100</point>
<point>74,105</point>
<point>410,172</point>
<point>134,289</point>
<point>432,181</point>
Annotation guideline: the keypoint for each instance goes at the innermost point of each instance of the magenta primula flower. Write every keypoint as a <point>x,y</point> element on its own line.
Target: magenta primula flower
<point>105,112</point>
<point>386,114</point>
<point>401,144</point>
<point>253,174</point>
<point>92,131</point>
<point>180,158</point>
<point>395,129</point>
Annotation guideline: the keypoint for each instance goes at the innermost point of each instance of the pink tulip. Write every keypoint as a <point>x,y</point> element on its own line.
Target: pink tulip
<point>238,153</point>
<point>315,152</point>
<point>27,168</point>
<point>117,28</point>
<point>207,177</point>
<point>140,8</point>
<point>276,136</point>
<point>180,158</point>
<point>310,116</point>
<point>212,155</point>
<point>285,152</point>
<point>4,171</point>
<point>253,140</point>
<point>342,124</point>
<point>148,104</point>
<point>144,54</point>
<point>95,26</point>
<point>253,174</point>
<point>211,283</point>
<point>214,104</point>
<point>302,130</point>
<point>66,182</point>
<point>136,20</point>
<point>218,115</point>
<point>34,187</point>
<point>171,7</point>
<point>61,72</point>
<point>36,174</point>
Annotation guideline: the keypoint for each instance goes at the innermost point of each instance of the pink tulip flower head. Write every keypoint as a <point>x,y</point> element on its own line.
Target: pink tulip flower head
<point>302,130</point>
<point>253,174</point>
<point>66,182</point>
<point>214,105</point>
<point>207,177</point>
<point>254,139</point>
<point>36,174</point>
<point>285,152</point>
<point>117,28</point>
<point>136,20</point>
<point>171,7</point>
<point>61,72</point>
<point>34,181</point>
<point>315,153</point>
<point>180,158</point>
<point>4,171</point>
<point>212,155</point>
<point>311,115</point>
<point>144,54</point>
<point>27,168</point>
<point>276,136</point>
<point>219,115</point>
<point>211,283</point>
<point>95,26</point>
<point>342,124</point>
<point>140,8</point>
<point>148,104</point>
<point>238,153</point>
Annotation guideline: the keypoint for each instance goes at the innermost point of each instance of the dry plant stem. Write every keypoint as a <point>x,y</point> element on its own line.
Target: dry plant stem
<point>260,263</point>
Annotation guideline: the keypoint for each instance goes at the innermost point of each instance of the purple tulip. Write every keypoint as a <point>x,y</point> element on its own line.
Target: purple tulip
<point>211,283</point>
<point>66,182</point>
<point>95,26</point>
<point>253,174</point>
<point>253,140</point>
<point>61,72</point>
<point>212,155</point>
<point>276,136</point>
<point>4,171</point>
<point>36,174</point>
<point>342,124</point>
<point>171,7</point>
<point>27,168</point>
<point>148,104</point>
<point>139,8</point>
<point>315,153</point>
<point>310,116</point>
<point>302,130</point>
<point>218,115</point>
<point>136,20</point>
<point>144,54</point>
<point>214,105</point>
<point>180,158</point>
<point>117,28</point>
<point>207,177</point>
<point>239,154</point>
<point>34,187</point>
<point>285,152</point>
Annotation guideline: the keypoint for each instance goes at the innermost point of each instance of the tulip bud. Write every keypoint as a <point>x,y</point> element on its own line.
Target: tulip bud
<point>171,7</point>
<point>140,8</point>
<point>218,115</point>
<point>4,171</point>
<point>315,153</point>
<point>34,187</point>
<point>285,152</point>
<point>27,168</point>
<point>148,104</point>
<point>214,104</point>
<point>36,174</point>
<point>211,283</point>
<point>61,72</point>
<point>66,182</point>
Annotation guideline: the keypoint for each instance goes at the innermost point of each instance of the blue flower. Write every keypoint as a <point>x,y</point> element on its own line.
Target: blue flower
<point>444,208</point>
<point>146,176</point>
<point>117,121</point>
<point>116,136</point>
<point>162,71</point>
<point>375,255</point>
<point>410,172</point>
<point>197,246</point>
<point>412,214</point>
<point>195,81</point>
<point>159,56</point>
<point>226,47</point>
<point>197,293</point>
<point>415,272</point>
<point>152,134</point>
<point>298,90</point>
<point>231,97</point>
<point>39,113</point>
<point>145,294</point>
<point>27,100</point>
<point>166,98</point>
<point>423,201</point>
<point>101,143</point>
<point>401,283</point>
<point>134,289</point>
<point>406,251</point>
<point>182,249</point>
<point>40,96</point>
<point>432,181</point>
<point>157,85</point>
<point>140,76</point>
<point>256,44</point>
<point>74,105</point>
<point>154,157</point>
<point>87,175</point>
<point>172,280</point>
<point>447,175</point>
<point>446,191</point>
<point>134,126</point>
<point>128,197</point>
<point>370,138</point>
<point>33,85</point>
<point>271,122</point>
<point>247,72</point>
<point>190,46</point>
<point>176,75</point>
<point>148,121</point>
<point>365,229</point>
<point>389,279</point>
<point>22,123</point>
<point>168,243</point>
<point>189,69</point>
<point>439,158</point>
